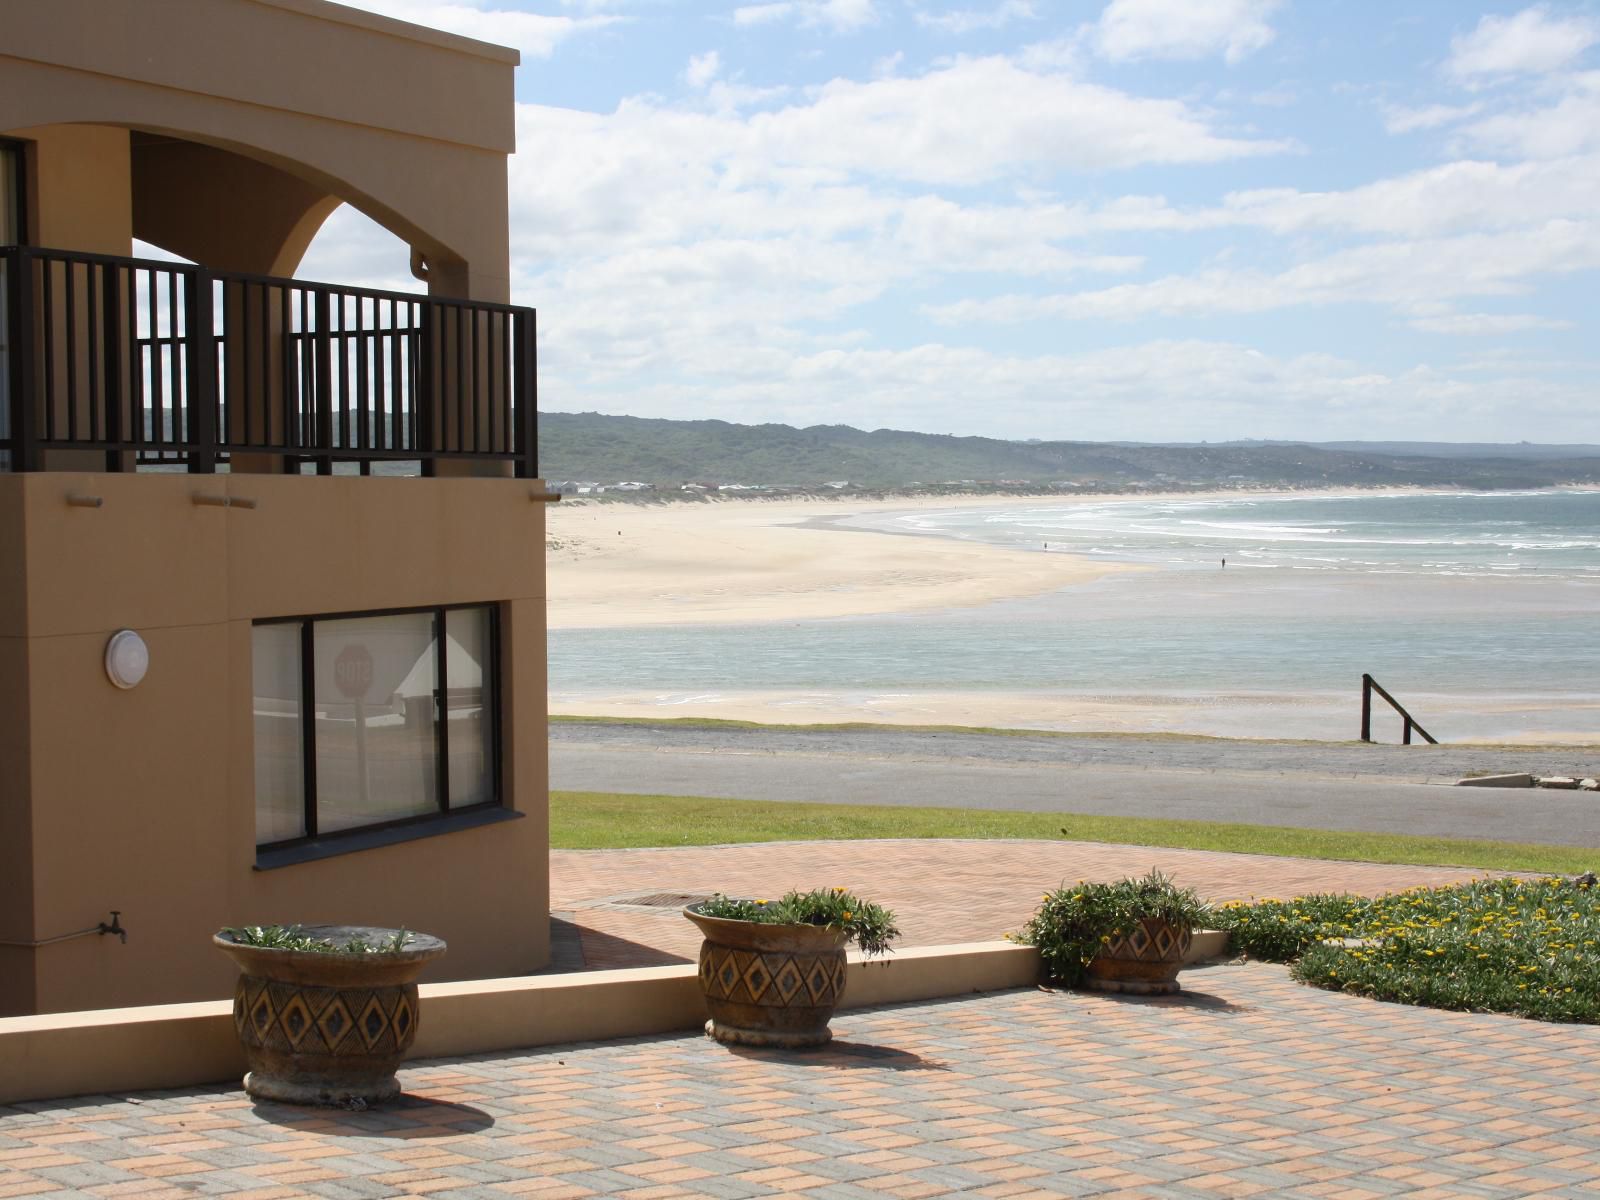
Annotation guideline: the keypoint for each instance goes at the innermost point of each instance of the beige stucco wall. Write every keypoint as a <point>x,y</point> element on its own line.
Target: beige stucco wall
<point>80,190</point>
<point>143,800</point>
<point>410,125</point>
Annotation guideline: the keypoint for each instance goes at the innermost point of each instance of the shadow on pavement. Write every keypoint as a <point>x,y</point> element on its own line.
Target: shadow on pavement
<point>843,1056</point>
<point>409,1118</point>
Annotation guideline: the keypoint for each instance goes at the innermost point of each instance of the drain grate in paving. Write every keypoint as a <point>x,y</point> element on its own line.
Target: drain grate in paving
<point>661,899</point>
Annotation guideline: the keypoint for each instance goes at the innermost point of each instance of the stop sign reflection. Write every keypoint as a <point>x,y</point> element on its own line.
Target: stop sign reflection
<point>352,671</point>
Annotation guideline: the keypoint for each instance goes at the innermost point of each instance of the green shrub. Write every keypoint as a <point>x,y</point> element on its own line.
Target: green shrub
<point>1073,923</point>
<point>869,926</point>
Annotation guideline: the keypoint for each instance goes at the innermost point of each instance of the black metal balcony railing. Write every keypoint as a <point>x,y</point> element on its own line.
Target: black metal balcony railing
<point>161,364</point>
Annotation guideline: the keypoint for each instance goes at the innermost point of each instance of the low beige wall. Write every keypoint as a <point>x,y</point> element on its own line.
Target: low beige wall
<point>177,1045</point>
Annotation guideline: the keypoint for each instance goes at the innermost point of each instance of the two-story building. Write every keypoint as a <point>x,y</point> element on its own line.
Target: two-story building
<point>272,641</point>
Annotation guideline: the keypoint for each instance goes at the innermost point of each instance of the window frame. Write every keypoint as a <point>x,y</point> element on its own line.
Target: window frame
<point>292,849</point>
<point>19,198</point>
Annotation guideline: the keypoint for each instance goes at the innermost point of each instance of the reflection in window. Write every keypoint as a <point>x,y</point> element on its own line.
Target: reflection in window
<point>377,753</point>
<point>280,764</point>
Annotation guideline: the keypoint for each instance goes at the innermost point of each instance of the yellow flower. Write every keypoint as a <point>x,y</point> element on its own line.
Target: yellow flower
<point>848,914</point>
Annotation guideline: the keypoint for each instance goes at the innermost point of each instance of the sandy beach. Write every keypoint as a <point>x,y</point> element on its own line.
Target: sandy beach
<point>616,565</point>
<point>627,581</point>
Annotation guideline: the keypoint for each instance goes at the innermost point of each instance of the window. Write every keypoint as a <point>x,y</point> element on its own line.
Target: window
<point>373,721</point>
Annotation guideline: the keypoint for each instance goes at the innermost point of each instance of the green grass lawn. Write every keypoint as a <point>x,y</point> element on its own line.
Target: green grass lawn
<point>601,820</point>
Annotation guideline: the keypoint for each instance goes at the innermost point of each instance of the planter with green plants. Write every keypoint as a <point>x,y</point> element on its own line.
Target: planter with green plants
<point>1128,936</point>
<point>325,1013</point>
<point>774,970</point>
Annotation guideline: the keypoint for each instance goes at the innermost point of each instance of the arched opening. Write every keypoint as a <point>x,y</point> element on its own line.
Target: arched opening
<point>353,248</point>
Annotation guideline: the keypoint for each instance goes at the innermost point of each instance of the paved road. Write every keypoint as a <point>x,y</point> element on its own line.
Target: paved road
<point>1313,786</point>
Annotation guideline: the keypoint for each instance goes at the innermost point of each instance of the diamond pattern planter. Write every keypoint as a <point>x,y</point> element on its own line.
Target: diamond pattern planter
<point>1144,961</point>
<point>327,1029</point>
<point>769,985</point>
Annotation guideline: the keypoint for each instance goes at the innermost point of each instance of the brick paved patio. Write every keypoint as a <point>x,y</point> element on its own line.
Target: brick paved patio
<point>1247,1085</point>
<point>941,891</point>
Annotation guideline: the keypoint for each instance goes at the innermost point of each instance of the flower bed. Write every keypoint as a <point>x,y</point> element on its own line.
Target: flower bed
<point>1530,947</point>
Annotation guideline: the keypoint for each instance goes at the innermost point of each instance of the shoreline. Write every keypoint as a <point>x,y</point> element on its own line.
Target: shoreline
<point>752,560</point>
<point>1258,716</point>
<point>681,569</point>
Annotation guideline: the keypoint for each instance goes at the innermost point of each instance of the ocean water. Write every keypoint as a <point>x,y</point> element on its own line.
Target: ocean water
<point>1481,612</point>
<point>1548,534</point>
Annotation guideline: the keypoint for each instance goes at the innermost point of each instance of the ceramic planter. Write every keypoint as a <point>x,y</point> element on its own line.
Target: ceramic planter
<point>1144,961</point>
<point>769,985</point>
<point>330,1028</point>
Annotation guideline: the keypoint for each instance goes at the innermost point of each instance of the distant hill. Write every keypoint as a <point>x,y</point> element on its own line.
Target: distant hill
<point>1451,449</point>
<point>591,446</point>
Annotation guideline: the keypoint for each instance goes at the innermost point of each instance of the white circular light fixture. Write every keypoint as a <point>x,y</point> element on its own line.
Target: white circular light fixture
<point>127,658</point>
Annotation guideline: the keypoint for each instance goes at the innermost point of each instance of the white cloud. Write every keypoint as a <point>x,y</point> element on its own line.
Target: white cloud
<point>1454,197</point>
<point>1569,126</point>
<point>1400,274</point>
<point>731,254</point>
<point>1531,41</point>
<point>1485,324</point>
<point>535,34</point>
<point>1397,119</point>
<point>1129,30</point>
<point>762,14</point>
<point>838,16</point>
<point>981,119</point>
<point>702,69</point>
<point>968,20</point>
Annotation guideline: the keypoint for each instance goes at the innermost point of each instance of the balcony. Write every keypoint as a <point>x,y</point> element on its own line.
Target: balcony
<point>124,364</point>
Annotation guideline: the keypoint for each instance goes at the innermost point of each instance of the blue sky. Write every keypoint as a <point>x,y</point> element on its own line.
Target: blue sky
<point>1150,219</point>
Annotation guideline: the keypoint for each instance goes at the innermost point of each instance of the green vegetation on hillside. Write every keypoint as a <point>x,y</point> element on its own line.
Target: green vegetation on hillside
<point>607,449</point>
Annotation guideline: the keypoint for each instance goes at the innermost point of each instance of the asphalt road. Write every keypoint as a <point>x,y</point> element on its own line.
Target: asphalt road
<point>1380,789</point>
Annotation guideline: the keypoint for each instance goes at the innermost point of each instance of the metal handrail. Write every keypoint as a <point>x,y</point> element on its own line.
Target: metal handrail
<point>153,362</point>
<point>1370,685</point>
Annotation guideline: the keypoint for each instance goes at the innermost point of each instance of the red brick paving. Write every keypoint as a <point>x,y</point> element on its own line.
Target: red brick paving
<point>1247,1084</point>
<point>941,891</point>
